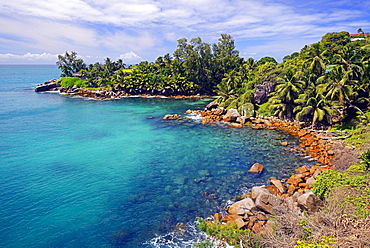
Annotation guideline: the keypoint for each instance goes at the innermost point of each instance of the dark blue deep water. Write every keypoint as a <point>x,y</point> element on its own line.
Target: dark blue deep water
<point>87,173</point>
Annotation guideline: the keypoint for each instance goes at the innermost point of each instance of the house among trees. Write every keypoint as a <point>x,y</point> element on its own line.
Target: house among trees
<point>359,36</point>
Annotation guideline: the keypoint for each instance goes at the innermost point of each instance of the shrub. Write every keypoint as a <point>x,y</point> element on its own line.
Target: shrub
<point>72,81</point>
<point>326,181</point>
<point>227,233</point>
<point>324,243</point>
<point>366,159</point>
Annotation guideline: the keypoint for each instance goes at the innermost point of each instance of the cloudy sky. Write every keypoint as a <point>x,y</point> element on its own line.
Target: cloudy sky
<point>36,31</point>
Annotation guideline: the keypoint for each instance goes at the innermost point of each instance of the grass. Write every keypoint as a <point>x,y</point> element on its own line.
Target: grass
<point>66,82</point>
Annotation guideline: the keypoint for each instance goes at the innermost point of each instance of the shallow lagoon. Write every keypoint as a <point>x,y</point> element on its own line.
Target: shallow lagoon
<point>86,173</point>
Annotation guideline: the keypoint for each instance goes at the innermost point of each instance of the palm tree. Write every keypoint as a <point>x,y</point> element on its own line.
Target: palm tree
<point>350,59</point>
<point>336,84</point>
<point>316,61</point>
<point>313,106</point>
<point>286,92</point>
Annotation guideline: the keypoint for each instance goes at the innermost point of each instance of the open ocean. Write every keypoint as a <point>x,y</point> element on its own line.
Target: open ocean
<point>88,173</point>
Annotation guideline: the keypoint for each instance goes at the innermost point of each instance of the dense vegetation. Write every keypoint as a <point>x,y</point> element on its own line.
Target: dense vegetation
<point>194,68</point>
<point>325,82</point>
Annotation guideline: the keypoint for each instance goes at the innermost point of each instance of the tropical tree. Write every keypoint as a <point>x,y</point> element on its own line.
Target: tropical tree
<point>316,61</point>
<point>69,63</point>
<point>313,107</point>
<point>285,95</point>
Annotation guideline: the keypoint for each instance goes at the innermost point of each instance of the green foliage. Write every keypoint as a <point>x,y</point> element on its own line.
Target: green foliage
<point>335,41</point>
<point>69,64</point>
<point>228,233</point>
<point>366,159</point>
<point>72,81</point>
<point>205,244</point>
<point>325,242</point>
<point>326,181</point>
<point>265,109</point>
<point>307,231</point>
<point>354,186</point>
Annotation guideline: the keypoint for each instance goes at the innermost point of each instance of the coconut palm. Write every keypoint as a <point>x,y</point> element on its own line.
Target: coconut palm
<point>286,92</point>
<point>313,107</point>
<point>316,61</point>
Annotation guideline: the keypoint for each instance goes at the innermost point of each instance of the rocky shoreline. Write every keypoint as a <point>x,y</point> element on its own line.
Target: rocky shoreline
<point>254,210</point>
<point>292,195</point>
<point>100,94</point>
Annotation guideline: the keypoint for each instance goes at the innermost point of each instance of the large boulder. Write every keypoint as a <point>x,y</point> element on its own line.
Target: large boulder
<point>262,92</point>
<point>262,203</point>
<point>241,207</point>
<point>218,111</point>
<point>211,105</point>
<point>256,191</point>
<point>310,202</point>
<point>48,85</point>
<point>279,185</point>
<point>231,115</point>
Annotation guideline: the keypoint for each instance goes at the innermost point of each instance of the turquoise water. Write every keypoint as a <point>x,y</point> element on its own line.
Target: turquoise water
<point>86,173</point>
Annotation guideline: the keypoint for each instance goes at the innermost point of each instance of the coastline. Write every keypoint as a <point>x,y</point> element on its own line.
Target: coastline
<point>265,206</point>
<point>103,94</point>
<point>311,145</point>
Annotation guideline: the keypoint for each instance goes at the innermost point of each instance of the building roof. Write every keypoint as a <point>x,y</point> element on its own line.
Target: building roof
<point>354,35</point>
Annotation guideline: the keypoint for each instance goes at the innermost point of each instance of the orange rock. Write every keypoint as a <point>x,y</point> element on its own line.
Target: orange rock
<point>294,180</point>
<point>303,169</point>
<point>256,168</point>
<point>272,188</point>
<point>233,124</point>
<point>303,185</point>
<point>261,217</point>
<point>291,189</point>
<point>230,217</point>
<point>257,227</point>
<point>217,217</point>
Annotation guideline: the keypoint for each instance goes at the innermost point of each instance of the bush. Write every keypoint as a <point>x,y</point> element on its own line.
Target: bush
<point>324,243</point>
<point>366,159</point>
<point>326,181</point>
<point>72,81</point>
<point>265,109</point>
<point>228,233</point>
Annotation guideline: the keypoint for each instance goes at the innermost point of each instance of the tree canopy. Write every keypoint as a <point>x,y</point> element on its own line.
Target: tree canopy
<point>324,81</point>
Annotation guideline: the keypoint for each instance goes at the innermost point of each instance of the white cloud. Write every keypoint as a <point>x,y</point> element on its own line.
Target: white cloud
<point>130,58</point>
<point>44,58</point>
<point>147,27</point>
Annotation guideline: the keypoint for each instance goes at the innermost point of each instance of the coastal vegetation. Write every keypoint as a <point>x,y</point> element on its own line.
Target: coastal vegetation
<point>324,84</point>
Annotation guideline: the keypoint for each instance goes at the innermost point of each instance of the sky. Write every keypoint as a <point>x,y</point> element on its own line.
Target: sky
<point>37,31</point>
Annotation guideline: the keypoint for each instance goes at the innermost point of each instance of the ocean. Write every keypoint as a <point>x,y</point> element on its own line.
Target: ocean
<point>86,173</point>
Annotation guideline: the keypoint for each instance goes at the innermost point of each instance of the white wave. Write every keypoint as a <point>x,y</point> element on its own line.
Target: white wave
<point>184,240</point>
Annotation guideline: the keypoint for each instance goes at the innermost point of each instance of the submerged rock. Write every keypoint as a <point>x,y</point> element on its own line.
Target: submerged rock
<point>256,168</point>
<point>171,117</point>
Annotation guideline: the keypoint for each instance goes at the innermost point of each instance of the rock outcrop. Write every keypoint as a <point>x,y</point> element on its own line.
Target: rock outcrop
<point>262,92</point>
<point>254,211</point>
<point>231,115</point>
<point>48,85</point>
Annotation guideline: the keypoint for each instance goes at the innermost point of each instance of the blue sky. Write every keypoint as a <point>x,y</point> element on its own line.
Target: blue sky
<point>36,31</point>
